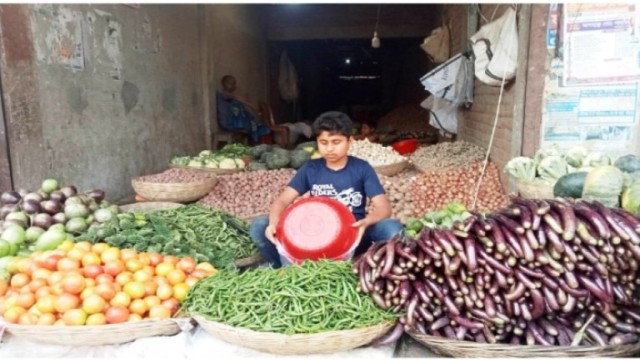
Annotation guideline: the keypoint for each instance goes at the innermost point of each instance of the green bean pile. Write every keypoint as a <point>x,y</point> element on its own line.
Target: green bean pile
<point>225,232</point>
<point>311,298</point>
<point>192,230</point>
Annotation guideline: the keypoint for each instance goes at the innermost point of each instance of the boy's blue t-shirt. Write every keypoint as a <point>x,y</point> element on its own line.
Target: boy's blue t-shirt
<point>351,185</point>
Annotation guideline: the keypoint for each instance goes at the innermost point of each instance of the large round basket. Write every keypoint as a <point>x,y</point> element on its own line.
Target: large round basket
<point>209,170</point>
<point>535,190</point>
<point>297,344</point>
<point>391,169</point>
<point>149,206</point>
<point>94,335</point>
<point>174,192</point>
<point>456,348</point>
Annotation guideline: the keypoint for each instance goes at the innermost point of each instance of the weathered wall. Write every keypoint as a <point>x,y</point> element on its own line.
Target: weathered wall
<point>235,44</point>
<point>98,94</point>
<point>476,123</point>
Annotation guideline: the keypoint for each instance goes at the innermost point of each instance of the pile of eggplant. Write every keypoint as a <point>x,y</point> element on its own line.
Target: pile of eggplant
<point>538,272</point>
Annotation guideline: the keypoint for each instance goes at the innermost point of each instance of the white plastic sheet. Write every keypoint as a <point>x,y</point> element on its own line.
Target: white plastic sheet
<point>185,345</point>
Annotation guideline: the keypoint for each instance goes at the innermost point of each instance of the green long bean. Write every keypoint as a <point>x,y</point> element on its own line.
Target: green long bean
<point>310,298</point>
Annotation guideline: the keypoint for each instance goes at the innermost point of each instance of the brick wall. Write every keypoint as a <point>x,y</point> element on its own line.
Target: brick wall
<point>476,123</point>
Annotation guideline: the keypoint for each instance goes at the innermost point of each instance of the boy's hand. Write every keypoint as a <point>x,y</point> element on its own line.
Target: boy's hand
<point>362,226</point>
<point>270,233</point>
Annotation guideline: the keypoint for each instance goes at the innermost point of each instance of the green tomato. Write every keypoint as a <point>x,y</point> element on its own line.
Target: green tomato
<point>5,248</point>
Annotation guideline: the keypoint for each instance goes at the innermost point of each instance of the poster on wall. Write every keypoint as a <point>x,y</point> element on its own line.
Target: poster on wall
<point>552,26</point>
<point>614,28</point>
<point>602,117</point>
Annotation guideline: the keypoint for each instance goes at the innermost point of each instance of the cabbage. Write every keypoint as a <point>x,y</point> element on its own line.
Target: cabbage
<point>604,184</point>
<point>546,152</point>
<point>551,168</point>
<point>521,168</point>
<point>596,159</point>
<point>575,156</point>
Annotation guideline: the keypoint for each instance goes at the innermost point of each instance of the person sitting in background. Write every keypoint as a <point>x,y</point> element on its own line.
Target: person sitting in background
<point>235,112</point>
<point>367,131</point>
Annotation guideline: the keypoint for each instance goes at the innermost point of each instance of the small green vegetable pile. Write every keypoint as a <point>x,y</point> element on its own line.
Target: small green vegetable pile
<point>311,298</point>
<point>229,157</point>
<point>454,211</point>
<point>273,157</point>
<point>191,230</point>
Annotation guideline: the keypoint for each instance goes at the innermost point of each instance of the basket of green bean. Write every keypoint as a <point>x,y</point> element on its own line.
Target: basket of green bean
<point>313,308</point>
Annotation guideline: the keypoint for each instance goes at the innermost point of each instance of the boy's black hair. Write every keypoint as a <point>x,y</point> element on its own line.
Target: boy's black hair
<point>334,122</point>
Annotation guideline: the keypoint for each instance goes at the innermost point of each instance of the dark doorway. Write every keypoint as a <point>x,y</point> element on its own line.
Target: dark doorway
<point>350,76</point>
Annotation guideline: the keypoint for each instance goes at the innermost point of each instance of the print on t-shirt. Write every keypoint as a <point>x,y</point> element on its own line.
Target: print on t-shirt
<point>348,197</point>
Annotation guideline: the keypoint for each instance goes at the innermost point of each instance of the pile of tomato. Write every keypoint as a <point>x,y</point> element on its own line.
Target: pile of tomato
<point>93,284</point>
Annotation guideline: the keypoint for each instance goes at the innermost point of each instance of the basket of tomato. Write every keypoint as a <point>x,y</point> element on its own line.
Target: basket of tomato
<point>95,294</point>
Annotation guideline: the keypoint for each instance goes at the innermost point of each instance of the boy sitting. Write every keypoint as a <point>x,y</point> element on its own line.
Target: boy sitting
<point>345,178</point>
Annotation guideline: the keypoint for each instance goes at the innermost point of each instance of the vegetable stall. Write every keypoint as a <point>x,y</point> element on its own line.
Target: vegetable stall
<point>474,266</point>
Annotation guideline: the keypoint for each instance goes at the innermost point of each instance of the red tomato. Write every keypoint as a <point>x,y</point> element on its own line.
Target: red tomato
<point>104,279</point>
<point>92,271</point>
<point>73,284</point>
<point>66,302</point>
<point>114,267</point>
<point>117,314</point>
<point>186,264</point>
<point>67,264</point>
<point>51,262</point>
<point>172,304</point>
<point>106,291</point>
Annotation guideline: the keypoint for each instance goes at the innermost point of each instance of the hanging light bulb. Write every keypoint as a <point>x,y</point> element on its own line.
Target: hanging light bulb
<point>375,41</point>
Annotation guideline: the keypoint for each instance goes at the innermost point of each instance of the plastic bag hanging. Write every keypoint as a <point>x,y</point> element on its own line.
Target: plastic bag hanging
<point>436,45</point>
<point>288,80</point>
<point>495,47</point>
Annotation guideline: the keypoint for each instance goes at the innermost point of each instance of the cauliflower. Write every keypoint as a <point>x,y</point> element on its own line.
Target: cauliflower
<point>195,163</point>
<point>205,153</point>
<point>239,163</point>
<point>227,164</point>
<point>211,164</point>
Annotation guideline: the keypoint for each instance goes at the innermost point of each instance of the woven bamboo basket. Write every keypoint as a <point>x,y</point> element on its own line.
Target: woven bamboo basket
<point>297,344</point>
<point>535,190</point>
<point>174,192</point>
<point>208,170</point>
<point>391,169</point>
<point>149,206</point>
<point>456,348</point>
<point>94,335</point>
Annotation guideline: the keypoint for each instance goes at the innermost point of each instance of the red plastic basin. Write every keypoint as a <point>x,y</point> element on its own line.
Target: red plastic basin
<point>405,147</point>
<point>316,228</point>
